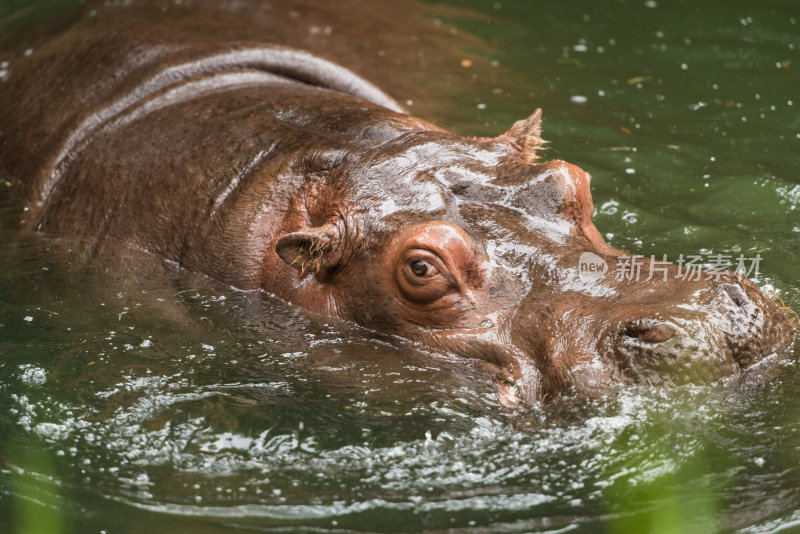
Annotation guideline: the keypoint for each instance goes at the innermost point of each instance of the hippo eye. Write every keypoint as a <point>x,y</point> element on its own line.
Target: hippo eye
<point>422,276</point>
<point>422,268</point>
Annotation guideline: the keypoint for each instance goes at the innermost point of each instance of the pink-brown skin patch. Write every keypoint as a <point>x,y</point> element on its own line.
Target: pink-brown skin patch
<point>212,154</point>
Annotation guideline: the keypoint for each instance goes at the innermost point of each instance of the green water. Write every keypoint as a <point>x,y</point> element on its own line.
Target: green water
<point>171,403</point>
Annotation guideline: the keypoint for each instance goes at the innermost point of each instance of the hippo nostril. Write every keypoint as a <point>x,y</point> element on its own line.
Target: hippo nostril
<point>737,295</point>
<point>648,331</point>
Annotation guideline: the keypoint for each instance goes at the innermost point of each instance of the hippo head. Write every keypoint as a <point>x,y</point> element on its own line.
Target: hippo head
<point>470,246</point>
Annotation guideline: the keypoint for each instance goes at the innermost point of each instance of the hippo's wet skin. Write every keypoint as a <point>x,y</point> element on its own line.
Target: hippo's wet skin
<point>269,168</point>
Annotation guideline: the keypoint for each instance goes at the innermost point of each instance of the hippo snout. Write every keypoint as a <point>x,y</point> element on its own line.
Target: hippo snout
<point>677,350</point>
<point>658,332</point>
<point>755,326</point>
<point>722,331</point>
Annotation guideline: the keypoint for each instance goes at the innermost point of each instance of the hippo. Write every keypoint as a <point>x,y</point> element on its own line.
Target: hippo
<point>271,168</point>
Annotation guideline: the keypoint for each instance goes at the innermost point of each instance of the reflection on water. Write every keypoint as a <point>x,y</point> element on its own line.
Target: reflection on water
<point>142,396</point>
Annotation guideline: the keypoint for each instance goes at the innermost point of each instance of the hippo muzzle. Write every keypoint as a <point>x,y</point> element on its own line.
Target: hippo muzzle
<point>668,332</point>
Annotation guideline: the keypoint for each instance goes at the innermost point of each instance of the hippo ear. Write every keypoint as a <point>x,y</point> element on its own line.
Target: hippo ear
<point>526,135</point>
<point>311,250</point>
